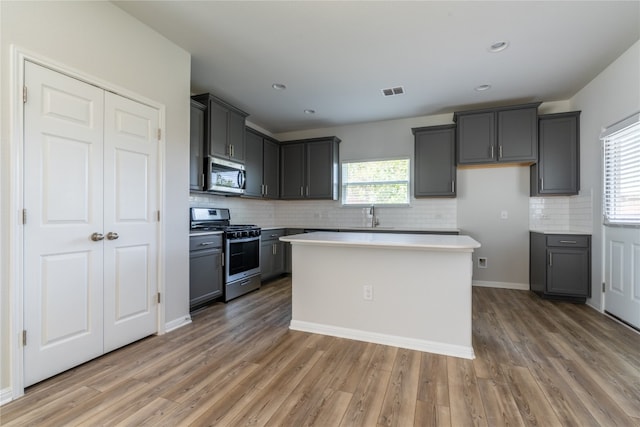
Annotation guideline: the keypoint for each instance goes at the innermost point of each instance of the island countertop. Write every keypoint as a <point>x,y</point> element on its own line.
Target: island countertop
<point>387,240</point>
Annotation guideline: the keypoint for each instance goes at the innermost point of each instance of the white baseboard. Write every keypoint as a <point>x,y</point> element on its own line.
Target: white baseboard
<point>502,285</point>
<point>6,395</point>
<point>392,340</point>
<point>177,323</point>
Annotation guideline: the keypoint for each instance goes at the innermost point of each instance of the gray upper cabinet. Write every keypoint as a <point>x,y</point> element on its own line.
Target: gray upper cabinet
<point>507,135</point>
<point>262,165</point>
<point>196,162</point>
<point>309,169</point>
<point>254,164</point>
<point>271,172</point>
<point>435,168</point>
<point>224,128</point>
<point>558,169</point>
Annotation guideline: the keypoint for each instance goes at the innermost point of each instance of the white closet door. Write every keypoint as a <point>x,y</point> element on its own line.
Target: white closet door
<point>131,193</point>
<point>63,198</point>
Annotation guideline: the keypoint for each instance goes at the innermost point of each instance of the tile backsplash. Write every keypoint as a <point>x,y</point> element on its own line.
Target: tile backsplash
<point>572,213</point>
<point>558,213</point>
<point>433,213</point>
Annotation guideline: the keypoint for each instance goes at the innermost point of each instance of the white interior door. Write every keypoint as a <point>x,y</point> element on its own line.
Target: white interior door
<point>622,273</point>
<point>131,193</point>
<point>63,198</point>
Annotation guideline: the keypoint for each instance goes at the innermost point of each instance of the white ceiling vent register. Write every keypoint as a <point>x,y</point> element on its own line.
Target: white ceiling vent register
<point>398,90</point>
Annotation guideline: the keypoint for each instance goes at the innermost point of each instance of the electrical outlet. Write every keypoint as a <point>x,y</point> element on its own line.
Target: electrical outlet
<point>482,262</point>
<point>367,292</point>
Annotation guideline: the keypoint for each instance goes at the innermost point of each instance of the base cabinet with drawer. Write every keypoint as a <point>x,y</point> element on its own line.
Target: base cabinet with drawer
<point>205,269</point>
<point>560,266</point>
<point>272,256</point>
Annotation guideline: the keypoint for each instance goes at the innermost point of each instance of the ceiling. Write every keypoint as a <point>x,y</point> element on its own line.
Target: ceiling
<point>335,56</point>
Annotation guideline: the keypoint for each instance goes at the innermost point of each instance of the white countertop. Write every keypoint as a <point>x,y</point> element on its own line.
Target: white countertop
<point>373,230</point>
<point>387,240</point>
<point>572,232</point>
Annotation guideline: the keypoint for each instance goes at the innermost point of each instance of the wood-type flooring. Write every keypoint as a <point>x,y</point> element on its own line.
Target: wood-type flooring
<point>537,363</point>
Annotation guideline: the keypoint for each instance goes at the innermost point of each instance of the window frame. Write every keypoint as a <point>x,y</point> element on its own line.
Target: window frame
<point>360,205</point>
<point>611,191</point>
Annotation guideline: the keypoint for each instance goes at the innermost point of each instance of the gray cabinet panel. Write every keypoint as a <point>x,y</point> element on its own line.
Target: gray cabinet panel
<point>560,266</point>
<point>309,169</point>
<point>271,166</point>
<point>476,135</point>
<point>253,164</point>
<point>196,147</point>
<point>272,254</point>
<point>518,135</point>
<point>292,171</point>
<point>435,168</point>
<point>224,128</point>
<point>494,135</point>
<point>558,169</point>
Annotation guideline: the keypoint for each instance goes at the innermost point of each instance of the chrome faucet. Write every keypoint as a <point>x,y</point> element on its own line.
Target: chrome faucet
<point>374,220</point>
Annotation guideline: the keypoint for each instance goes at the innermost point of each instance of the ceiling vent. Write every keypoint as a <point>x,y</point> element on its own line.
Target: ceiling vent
<point>398,90</point>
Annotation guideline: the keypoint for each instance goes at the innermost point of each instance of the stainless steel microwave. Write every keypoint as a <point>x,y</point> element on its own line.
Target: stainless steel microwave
<point>225,176</point>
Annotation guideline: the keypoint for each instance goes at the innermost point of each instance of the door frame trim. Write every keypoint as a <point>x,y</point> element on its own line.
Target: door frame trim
<point>17,58</point>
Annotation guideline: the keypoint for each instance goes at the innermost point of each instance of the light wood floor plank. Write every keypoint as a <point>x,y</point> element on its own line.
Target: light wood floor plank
<point>538,363</point>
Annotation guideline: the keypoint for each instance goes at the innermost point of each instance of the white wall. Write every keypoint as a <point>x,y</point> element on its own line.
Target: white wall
<point>100,40</point>
<point>613,95</point>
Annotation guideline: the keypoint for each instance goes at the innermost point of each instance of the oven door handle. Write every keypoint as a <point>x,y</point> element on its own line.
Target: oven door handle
<point>241,179</point>
<point>244,239</point>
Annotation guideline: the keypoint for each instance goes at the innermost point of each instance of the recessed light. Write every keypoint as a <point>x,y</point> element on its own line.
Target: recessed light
<point>499,46</point>
<point>309,111</point>
<point>278,86</point>
<point>482,88</point>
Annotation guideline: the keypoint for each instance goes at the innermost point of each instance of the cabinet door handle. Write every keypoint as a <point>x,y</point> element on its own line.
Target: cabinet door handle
<point>222,259</point>
<point>266,189</point>
<point>273,249</point>
<point>550,259</point>
<point>453,186</point>
<point>500,152</point>
<point>571,242</point>
<point>492,151</point>
<point>541,184</point>
<point>307,191</point>
<point>231,150</point>
<point>301,191</point>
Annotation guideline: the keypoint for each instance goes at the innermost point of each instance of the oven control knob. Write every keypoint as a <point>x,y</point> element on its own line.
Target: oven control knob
<point>233,234</point>
<point>245,234</point>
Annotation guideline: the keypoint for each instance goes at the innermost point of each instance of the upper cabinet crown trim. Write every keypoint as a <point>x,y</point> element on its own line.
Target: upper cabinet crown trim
<point>495,109</point>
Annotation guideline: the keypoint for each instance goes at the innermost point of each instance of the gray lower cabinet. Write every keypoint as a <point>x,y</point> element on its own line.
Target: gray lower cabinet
<point>558,169</point>
<point>309,169</point>
<point>262,160</point>
<point>560,266</point>
<point>435,163</point>
<point>272,254</point>
<point>497,135</point>
<point>196,150</point>
<point>287,248</point>
<point>205,269</point>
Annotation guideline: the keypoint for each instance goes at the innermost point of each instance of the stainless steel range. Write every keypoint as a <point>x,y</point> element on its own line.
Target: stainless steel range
<point>241,249</point>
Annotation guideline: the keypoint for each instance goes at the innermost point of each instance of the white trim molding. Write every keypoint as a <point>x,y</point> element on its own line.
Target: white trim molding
<point>377,338</point>
<point>501,285</point>
<point>177,323</point>
<point>6,395</point>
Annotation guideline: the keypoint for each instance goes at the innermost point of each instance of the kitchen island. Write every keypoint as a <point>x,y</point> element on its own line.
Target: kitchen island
<point>405,290</point>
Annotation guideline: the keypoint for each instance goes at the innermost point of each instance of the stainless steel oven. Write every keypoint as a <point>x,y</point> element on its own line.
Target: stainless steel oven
<point>241,249</point>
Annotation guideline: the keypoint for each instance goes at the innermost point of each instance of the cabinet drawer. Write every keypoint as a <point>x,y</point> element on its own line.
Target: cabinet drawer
<point>272,234</point>
<point>207,241</point>
<point>568,241</point>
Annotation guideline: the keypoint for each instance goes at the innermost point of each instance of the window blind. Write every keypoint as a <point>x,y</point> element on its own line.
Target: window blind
<point>621,198</point>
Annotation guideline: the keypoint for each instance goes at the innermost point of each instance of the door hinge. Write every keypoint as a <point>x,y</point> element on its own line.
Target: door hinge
<point>159,299</point>
<point>603,287</point>
<point>158,215</point>
<point>24,338</point>
<point>24,94</point>
<point>159,134</point>
<point>24,216</point>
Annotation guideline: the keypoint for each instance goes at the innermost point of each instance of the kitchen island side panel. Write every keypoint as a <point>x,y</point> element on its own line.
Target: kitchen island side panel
<point>421,298</point>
